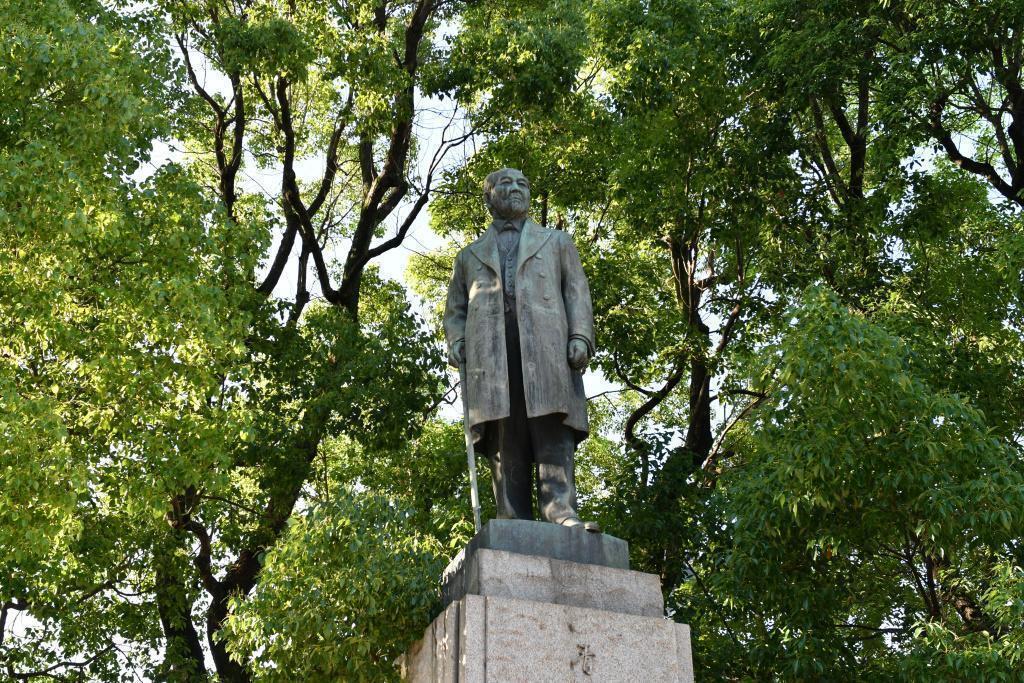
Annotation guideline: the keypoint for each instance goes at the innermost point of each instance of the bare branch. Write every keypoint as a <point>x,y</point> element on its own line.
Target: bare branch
<point>232,503</point>
<point>284,250</point>
<point>54,670</point>
<point>621,374</point>
<point>200,90</point>
<point>403,229</point>
<point>727,328</point>
<point>645,408</point>
<point>332,156</point>
<point>716,450</point>
<point>994,118</point>
<point>986,170</point>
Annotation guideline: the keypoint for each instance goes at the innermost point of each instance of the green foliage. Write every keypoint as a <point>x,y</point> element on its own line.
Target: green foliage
<point>852,406</point>
<point>807,289</point>
<point>345,591</point>
<point>269,45</point>
<point>528,58</point>
<point>119,321</point>
<point>860,487</point>
<point>143,381</point>
<point>939,652</point>
<point>436,499</point>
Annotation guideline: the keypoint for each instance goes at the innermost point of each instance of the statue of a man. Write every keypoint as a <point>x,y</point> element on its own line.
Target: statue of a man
<point>519,316</point>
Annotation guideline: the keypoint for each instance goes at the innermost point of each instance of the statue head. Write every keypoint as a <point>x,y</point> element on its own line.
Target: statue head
<point>507,193</point>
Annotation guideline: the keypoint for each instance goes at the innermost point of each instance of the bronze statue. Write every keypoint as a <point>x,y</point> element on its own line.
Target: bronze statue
<point>519,317</point>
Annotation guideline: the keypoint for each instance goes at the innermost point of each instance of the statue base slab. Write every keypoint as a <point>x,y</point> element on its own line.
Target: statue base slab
<point>529,538</point>
<point>500,574</point>
<point>482,639</point>
<point>571,610</point>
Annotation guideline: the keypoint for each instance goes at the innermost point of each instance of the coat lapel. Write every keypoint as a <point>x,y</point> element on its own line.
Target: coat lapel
<point>532,239</point>
<point>486,249</point>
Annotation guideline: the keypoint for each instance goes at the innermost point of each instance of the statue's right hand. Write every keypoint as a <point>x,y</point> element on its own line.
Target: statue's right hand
<point>457,354</point>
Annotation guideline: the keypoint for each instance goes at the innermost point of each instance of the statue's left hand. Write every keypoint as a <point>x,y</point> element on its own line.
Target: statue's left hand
<point>578,354</point>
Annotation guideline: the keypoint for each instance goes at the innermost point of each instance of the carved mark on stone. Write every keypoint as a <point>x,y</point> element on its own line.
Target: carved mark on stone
<point>585,658</point>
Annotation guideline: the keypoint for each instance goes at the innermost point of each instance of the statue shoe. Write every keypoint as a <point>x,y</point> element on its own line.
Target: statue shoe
<point>576,521</point>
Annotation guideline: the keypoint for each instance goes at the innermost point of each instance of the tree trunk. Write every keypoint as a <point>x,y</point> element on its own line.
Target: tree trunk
<point>184,656</point>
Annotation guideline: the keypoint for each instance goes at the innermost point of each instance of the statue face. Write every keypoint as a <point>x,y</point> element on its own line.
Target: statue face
<point>510,197</point>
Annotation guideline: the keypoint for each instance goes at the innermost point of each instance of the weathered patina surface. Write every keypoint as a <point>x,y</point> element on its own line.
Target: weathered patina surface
<point>552,305</point>
<point>518,320</point>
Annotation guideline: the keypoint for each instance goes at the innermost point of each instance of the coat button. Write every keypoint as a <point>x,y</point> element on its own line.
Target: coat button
<point>542,274</point>
<point>479,266</point>
<point>547,297</point>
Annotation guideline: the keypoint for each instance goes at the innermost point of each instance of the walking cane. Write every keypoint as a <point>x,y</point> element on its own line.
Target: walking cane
<point>474,493</point>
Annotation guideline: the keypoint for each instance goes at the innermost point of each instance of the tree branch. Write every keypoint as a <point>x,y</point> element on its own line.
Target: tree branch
<point>301,291</point>
<point>839,115</point>
<point>332,156</point>
<point>986,170</point>
<point>403,229</point>
<point>200,90</point>
<point>727,328</point>
<point>1008,76</point>
<point>994,118</point>
<point>621,374</point>
<point>50,672</point>
<point>385,190</point>
<point>716,450</point>
<point>632,440</point>
<point>175,612</point>
<point>202,561</point>
<point>238,138</point>
<point>284,250</point>
<point>292,197</point>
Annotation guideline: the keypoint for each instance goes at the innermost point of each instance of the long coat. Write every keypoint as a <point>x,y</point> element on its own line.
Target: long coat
<point>552,305</point>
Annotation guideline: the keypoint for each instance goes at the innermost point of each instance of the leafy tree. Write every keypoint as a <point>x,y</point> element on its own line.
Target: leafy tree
<point>114,341</point>
<point>885,503</point>
<point>346,611</point>
<point>165,418</point>
<point>802,226</point>
<point>714,160</point>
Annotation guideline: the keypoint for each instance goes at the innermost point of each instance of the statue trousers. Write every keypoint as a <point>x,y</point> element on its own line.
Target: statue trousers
<point>530,448</point>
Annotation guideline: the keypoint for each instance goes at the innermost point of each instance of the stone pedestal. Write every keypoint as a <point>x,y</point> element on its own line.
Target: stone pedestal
<point>568,610</point>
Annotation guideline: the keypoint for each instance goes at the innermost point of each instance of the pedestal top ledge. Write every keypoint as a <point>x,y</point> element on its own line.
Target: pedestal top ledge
<point>518,558</point>
<point>543,539</point>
